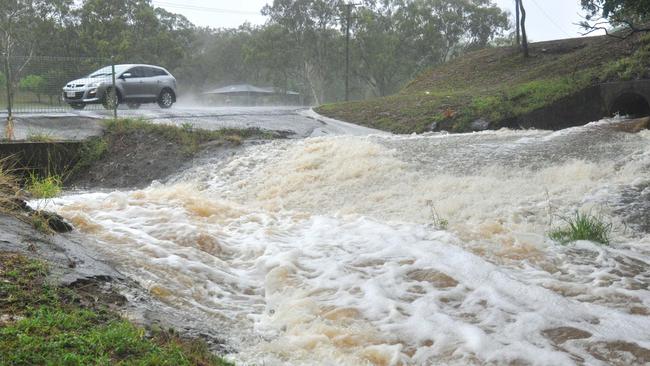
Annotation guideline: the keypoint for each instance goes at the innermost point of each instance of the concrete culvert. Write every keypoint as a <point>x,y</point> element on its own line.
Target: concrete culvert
<point>630,104</point>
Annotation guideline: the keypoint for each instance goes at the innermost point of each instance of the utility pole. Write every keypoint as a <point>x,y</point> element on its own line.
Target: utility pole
<point>349,7</point>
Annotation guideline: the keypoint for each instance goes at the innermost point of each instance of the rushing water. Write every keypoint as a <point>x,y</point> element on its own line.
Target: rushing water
<point>323,251</point>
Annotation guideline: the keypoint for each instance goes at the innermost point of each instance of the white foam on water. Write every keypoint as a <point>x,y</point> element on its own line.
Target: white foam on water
<point>322,251</point>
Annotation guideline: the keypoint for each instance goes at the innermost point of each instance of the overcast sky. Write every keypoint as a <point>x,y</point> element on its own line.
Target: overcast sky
<point>547,19</point>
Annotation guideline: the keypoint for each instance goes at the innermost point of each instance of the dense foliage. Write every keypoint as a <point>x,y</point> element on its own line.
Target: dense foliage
<point>301,47</point>
<point>630,15</point>
<point>609,8</point>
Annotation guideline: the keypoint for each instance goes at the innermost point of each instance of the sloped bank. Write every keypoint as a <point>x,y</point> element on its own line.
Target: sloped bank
<point>61,305</point>
<point>58,301</point>
<point>133,153</point>
<point>557,87</point>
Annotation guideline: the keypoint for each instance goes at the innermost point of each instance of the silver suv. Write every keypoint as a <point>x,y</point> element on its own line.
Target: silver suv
<point>134,85</point>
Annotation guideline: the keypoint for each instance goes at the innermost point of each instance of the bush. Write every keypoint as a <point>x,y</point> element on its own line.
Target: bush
<point>583,226</point>
<point>48,187</point>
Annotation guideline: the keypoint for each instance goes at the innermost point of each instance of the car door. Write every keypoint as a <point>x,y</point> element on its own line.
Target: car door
<point>153,83</point>
<point>133,83</point>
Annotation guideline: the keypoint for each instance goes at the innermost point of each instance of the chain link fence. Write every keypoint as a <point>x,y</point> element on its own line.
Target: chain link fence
<point>42,84</point>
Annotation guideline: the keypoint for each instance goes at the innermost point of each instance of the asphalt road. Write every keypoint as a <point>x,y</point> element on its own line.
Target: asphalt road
<point>303,122</point>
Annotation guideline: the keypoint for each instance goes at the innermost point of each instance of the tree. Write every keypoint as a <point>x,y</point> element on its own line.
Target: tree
<point>524,36</point>
<point>270,52</point>
<point>133,31</point>
<point>33,83</point>
<point>311,26</point>
<point>629,14</point>
<point>23,26</point>
<point>380,51</point>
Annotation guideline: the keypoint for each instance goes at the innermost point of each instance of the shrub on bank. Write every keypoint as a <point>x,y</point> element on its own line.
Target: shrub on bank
<point>44,188</point>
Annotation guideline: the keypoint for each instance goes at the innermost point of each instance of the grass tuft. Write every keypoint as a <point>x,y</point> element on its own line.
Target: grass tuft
<point>41,137</point>
<point>583,226</point>
<point>437,221</point>
<point>44,188</point>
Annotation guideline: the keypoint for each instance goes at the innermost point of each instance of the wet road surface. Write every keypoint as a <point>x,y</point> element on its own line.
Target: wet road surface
<point>302,122</point>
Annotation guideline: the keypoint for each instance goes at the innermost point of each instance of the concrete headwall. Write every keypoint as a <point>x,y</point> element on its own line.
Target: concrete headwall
<point>588,105</point>
<point>574,110</point>
<point>40,157</point>
<point>611,92</point>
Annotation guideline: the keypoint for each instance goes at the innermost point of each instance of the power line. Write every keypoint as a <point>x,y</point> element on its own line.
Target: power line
<point>203,8</point>
<point>551,19</point>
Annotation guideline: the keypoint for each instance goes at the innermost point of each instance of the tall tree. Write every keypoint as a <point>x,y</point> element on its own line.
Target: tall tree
<point>311,24</point>
<point>22,25</point>
<point>524,36</point>
<point>517,22</point>
<point>133,31</point>
<point>632,15</point>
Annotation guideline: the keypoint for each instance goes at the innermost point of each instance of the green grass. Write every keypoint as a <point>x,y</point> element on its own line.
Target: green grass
<point>633,67</point>
<point>583,226</point>
<point>40,137</point>
<point>48,326</point>
<point>44,187</point>
<point>92,150</point>
<point>498,84</point>
<point>408,113</point>
<point>185,135</point>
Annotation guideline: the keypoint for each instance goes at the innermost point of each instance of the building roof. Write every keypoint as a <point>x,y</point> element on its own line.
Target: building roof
<point>248,89</point>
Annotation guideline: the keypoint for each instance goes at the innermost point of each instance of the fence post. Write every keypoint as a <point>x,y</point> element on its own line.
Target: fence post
<point>115,101</point>
<point>9,127</point>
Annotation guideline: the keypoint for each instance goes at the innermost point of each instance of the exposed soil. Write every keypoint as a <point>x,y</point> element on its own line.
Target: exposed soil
<point>137,158</point>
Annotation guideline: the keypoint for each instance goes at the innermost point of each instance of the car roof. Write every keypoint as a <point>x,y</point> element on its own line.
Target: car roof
<point>134,65</point>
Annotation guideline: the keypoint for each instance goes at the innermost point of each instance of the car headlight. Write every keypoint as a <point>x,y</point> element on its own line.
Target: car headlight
<point>95,84</point>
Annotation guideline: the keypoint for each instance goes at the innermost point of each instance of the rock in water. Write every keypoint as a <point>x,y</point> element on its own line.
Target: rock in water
<point>480,125</point>
<point>56,222</point>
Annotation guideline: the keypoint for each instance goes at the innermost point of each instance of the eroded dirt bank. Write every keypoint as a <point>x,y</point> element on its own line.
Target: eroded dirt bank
<point>129,156</point>
<point>134,153</point>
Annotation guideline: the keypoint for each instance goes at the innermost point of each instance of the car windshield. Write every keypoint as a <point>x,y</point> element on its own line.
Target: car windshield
<point>107,71</point>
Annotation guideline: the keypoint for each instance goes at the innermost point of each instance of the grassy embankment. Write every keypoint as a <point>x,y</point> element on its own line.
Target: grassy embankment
<point>186,136</point>
<point>43,324</point>
<point>498,83</point>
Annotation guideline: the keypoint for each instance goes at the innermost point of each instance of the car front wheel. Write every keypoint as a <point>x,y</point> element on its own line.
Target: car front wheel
<point>166,99</point>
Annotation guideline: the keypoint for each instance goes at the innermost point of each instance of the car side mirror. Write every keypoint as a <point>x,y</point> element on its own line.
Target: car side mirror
<point>126,75</point>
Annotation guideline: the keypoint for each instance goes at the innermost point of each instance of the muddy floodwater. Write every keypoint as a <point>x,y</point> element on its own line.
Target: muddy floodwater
<point>324,251</point>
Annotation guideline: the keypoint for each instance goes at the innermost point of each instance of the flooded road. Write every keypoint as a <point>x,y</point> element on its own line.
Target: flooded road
<point>324,250</point>
<point>299,122</point>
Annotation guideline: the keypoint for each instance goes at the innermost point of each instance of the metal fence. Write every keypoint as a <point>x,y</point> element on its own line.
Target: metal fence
<point>41,84</point>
